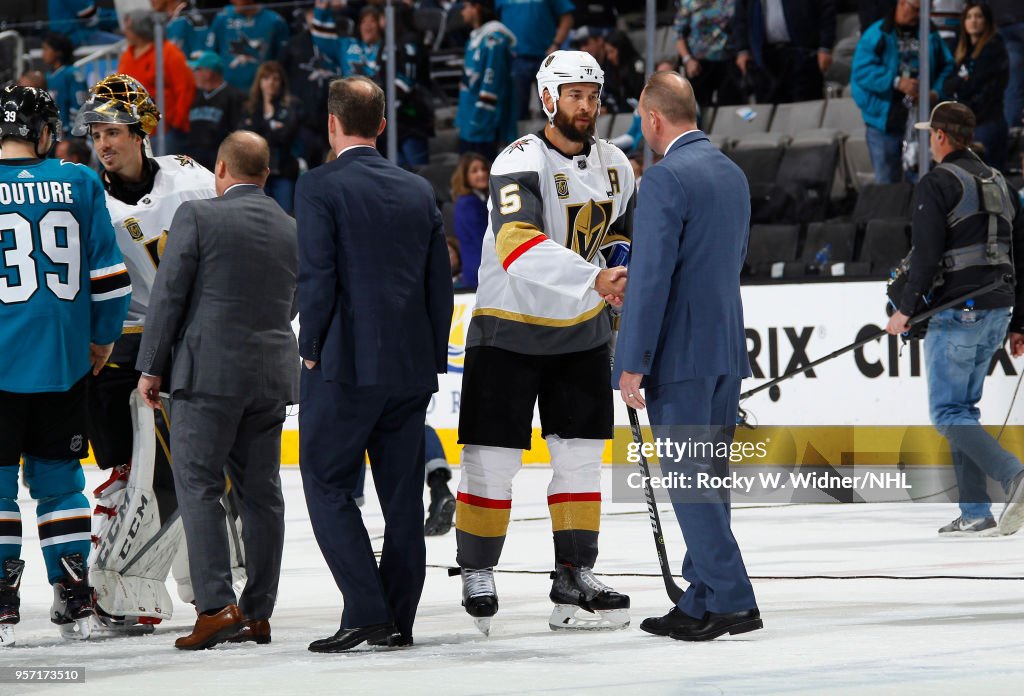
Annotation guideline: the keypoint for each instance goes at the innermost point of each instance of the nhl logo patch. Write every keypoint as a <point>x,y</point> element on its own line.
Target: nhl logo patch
<point>562,185</point>
<point>76,443</point>
<point>133,227</point>
<point>582,164</point>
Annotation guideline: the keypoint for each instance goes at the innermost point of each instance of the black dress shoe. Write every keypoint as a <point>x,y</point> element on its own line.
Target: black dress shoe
<point>715,625</point>
<point>663,625</point>
<point>395,640</point>
<point>348,638</point>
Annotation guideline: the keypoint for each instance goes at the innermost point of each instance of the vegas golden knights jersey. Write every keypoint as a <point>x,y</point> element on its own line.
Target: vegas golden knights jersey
<point>552,219</point>
<point>142,228</point>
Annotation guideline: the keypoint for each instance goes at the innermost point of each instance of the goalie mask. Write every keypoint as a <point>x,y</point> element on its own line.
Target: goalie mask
<point>24,111</point>
<point>118,99</point>
<point>565,67</point>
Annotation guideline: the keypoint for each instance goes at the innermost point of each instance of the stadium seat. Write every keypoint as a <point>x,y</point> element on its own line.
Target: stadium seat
<point>842,60</point>
<point>811,167</point>
<point>440,177</point>
<point>883,201</point>
<point>620,126</point>
<point>737,121</point>
<point>843,115</point>
<point>759,158</point>
<point>530,125</point>
<point>858,161</point>
<point>770,248</point>
<point>847,25</point>
<point>604,125</point>
<point>444,141</point>
<point>791,119</point>
<point>721,142</point>
<point>886,242</point>
<point>837,239</point>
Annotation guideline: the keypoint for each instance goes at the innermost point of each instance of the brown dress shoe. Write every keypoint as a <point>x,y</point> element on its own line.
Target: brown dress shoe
<point>210,630</point>
<point>254,630</point>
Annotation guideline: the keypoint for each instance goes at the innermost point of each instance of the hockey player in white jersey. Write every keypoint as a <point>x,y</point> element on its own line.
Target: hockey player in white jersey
<point>137,533</point>
<point>553,259</point>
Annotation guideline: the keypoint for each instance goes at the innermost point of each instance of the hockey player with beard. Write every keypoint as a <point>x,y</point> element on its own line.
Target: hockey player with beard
<point>137,533</point>
<point>561,207</point>
<point>63,294</point>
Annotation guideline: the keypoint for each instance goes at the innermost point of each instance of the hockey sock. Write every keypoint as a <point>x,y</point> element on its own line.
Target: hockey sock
<point>10,514</point>
<point>484,504</point>
<point>62,511</point>
<point>574,499</point>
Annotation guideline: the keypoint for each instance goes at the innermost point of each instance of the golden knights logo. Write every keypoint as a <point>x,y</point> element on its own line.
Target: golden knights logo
<point>588,225</point>
<point>185,160</point>
<point>133,227</point>
<point>562,185</point>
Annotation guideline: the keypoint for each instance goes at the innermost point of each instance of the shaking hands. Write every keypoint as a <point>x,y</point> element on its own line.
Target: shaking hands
<point>611,285</point>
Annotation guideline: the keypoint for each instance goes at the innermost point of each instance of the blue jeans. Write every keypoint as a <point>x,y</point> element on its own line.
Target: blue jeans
<point>282,190</point>
<point>1013,37</point>
<point>413,152</point>
<point>993,134</point>
<point>524,75</point>
<point>958,350</point>
<point>886,152</point>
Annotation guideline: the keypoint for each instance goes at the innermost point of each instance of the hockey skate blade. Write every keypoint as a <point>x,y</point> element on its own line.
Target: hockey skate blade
<point>6,635</point>
<point>483,624</point>
<point>113,627</point>
<point>80,629</point>
<point>569,617</point>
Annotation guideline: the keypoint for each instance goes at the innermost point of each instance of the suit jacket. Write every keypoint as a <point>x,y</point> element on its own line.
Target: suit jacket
<point>375,284</point>
<point>683,316</point>
<point>224,298</point>
<point>811,25</point>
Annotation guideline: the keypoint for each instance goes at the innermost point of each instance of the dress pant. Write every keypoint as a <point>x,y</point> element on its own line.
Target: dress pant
<point>241,437</point>
<point>338,423</point>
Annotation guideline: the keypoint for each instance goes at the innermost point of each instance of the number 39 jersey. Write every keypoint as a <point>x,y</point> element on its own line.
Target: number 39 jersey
<point>142,228</point>
<point>63,283</point>
<point>553,220</point>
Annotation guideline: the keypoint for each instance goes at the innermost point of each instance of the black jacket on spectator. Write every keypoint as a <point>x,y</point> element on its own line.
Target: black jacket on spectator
<point>279,130</point>
<point>212,117</point>
<point>980,82</point>
<point>811,24</point>
<point>935,196</point>
<point>309,76</point>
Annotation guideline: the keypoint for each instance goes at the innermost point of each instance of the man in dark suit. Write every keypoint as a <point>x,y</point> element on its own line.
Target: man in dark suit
<point>682,338</point>
<point>785,46</point>
<point>375,300</point>
<point>220,315</point>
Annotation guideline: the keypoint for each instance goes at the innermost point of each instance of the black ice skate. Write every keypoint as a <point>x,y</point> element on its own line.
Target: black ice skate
<point>480,597</point>
<point>10,602</point>
<point>72,599</point>
<point>577,589</point>
<point>442,504</point>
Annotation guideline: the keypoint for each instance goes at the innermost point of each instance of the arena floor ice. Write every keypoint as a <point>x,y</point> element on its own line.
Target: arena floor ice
<point>822,636</point>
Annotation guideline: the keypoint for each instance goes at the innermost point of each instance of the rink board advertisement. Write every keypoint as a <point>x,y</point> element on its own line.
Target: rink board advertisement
<point>879,388</point>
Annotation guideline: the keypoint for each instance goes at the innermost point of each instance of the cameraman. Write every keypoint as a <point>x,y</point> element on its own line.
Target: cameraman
<point>966,229</point>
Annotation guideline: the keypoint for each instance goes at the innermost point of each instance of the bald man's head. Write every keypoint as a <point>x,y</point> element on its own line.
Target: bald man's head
<point>246,156</point>
<point>671,95</point>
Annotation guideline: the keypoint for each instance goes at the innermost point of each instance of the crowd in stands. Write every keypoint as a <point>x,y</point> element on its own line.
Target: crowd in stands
<point>267,68</point>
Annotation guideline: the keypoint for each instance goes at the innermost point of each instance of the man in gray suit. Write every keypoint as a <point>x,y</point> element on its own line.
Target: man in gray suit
<point>221,314</point>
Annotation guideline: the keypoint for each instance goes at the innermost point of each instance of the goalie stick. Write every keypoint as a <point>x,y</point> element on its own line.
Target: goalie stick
<point>674,591</point>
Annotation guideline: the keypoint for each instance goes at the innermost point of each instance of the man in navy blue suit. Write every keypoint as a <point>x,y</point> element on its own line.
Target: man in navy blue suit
<point>375,309</point>
<point>682,339</point>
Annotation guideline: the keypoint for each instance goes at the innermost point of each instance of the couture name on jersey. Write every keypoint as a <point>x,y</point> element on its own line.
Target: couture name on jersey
<point>32,192</point>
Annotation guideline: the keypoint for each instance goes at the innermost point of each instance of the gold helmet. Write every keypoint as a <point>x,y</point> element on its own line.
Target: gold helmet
<point>118,99</point>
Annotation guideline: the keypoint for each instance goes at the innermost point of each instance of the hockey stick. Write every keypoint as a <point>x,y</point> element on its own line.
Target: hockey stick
<point>916,319</point>
<point>674,591</point>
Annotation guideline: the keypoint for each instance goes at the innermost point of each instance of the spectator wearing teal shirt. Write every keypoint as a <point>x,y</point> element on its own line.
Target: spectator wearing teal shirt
<point>540,27</point>
<point>245,36</point>
<point>64,82</point>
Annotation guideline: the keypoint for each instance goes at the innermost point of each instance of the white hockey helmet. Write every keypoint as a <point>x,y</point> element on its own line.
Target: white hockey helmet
<point>565,67</point>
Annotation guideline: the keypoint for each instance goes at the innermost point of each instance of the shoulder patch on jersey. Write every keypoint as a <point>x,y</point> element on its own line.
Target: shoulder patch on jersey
<point>519,145</point>
<point>185,160</point>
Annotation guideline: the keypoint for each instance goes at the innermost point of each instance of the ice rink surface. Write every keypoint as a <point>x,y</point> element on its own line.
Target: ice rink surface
<point>822,636</point>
